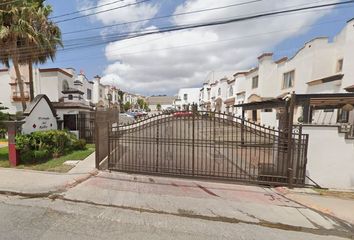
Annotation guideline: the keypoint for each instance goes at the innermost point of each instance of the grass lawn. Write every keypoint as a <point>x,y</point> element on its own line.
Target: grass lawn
<point>53,165</point>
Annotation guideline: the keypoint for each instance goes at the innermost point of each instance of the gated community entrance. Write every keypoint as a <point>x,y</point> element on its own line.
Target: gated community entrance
<point>202,144</point>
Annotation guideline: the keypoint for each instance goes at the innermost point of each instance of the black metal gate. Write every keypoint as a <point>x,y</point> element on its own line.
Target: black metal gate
<point>86,126</point>
<point>211,145</point>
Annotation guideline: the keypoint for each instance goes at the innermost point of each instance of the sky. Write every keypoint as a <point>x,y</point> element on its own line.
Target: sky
<point>163,63</point>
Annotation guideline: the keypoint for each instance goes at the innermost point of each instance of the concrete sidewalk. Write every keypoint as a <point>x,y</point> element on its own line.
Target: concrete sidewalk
<point>340,207</point>
<point>201,199</point>
<point>29,182</point>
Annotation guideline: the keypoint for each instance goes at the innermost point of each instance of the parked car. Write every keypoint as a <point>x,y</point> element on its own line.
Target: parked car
<point>137,113</point>
<point>169,110</point>
<point>182,114</point>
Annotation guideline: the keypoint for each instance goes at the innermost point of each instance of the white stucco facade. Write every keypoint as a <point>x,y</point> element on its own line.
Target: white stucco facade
<point>186,97</point>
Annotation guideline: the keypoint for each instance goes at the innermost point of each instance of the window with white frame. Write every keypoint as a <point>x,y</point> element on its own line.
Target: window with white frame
<point>208,95</point>
<point>288,79</point>
<point>185,97</point>
<point>255,82</point>
<point>219,91</point>
<point>231,91</point>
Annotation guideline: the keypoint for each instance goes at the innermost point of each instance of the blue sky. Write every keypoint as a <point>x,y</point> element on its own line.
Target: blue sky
<point>94,61</point>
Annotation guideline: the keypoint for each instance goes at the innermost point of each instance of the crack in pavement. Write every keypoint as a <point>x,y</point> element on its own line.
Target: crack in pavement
<point>344,224</point>
<point>321,231</point>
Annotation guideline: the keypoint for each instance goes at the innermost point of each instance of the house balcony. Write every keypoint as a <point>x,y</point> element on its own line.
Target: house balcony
<point>16,96</point>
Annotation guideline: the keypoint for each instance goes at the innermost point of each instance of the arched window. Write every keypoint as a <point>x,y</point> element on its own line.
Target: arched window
<point>219,91</point>
<point>65,85</point>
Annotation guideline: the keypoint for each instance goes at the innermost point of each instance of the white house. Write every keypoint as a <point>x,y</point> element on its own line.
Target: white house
<point>321,66</point>
<point>187,97</point>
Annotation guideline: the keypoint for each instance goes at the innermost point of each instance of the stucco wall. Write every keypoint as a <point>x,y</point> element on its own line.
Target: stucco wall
<point>330,157</point>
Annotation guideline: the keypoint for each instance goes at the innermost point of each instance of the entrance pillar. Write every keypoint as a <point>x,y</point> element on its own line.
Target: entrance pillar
<point>12,129</point>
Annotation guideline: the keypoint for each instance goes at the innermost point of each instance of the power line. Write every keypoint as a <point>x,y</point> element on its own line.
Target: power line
<point>103,11</point>
<point>165,16</point>
<point>124,34</point>
<point>215,23</point>
<point>130,35</point>
<point>217,41</point>
<point>87,9</point>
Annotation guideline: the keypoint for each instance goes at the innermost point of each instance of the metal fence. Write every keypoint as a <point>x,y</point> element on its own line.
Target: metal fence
<point>209,145</point>
<point>86,126</point>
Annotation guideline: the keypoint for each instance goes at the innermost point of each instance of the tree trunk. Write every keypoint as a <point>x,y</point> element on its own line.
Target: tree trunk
<point>20,82</point>
<point>30,69</point>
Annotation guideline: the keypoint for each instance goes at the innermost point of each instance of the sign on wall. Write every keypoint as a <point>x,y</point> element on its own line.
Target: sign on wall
<point>40,115</point>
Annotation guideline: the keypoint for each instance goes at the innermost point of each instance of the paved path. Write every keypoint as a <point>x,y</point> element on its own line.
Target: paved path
<point>202,200</point>
<point>42,183</point>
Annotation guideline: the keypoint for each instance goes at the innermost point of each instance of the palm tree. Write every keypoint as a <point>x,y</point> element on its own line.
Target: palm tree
<point>26,36</point>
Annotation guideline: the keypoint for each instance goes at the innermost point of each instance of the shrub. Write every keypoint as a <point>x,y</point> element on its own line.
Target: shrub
<point>39,146</point>
<point>27,157</point>
<point>41,155</point>
<point>79,144</point>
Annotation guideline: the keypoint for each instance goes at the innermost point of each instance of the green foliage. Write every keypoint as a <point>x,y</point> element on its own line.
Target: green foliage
<point>79,144</point>
<point>142,104</point>
<point>39,146</point>
<point>158,106</point>
<point>127,106</point>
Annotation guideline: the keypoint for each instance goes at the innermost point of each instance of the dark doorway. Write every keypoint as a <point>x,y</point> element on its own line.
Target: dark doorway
<point>70,122</point>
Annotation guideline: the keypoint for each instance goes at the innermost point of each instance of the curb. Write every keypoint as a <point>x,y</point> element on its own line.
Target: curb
<point>56,190</point>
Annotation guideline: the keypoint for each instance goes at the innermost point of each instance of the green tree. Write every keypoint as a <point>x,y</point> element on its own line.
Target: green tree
<point>158,106</point>
<point>27,36</point>
<point>127,106</point>
<point>141,102</point>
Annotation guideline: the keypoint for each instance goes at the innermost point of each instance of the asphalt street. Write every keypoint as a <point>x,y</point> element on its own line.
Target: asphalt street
<point>24,218</point>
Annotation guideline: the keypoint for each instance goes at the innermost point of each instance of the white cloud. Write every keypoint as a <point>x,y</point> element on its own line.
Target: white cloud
<point>159,63</point>
<point>125,11</point>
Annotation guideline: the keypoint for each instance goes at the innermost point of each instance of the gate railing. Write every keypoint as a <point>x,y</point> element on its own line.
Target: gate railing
<point>211,145</point>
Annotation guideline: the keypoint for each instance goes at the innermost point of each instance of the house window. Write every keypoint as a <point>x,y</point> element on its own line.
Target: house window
<point>219,91</point>
<point>288,80</point>
<point>340,65</point>
<point>65,85</point>
<point>231,91</point>
<point>70,97</point>
<point>209,95</point>
<point>185,97</point>
<point>255,82</point>
<point>101,94</point>
<point>89,94</point>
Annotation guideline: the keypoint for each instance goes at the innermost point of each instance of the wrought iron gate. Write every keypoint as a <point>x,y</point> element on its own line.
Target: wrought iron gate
<point>210,145</point>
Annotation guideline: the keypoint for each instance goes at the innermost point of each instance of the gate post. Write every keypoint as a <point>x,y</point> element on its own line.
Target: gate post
<point>103,122</point>
<point>290,119</point>
<point>194,113</point>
